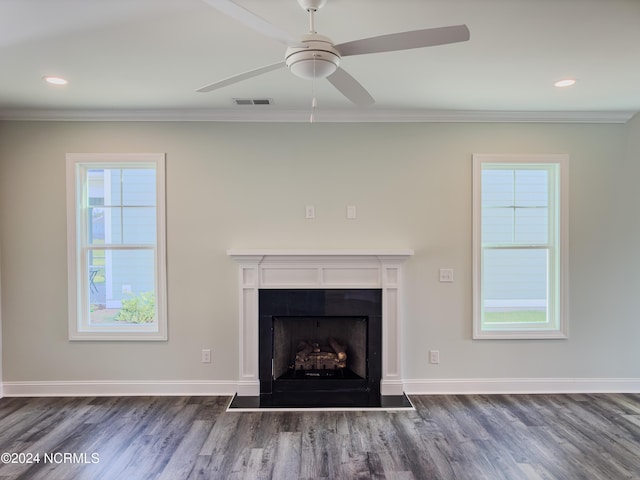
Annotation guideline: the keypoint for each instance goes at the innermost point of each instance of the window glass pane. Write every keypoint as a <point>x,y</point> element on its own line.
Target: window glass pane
<point>121,206</point>
<point>497,225</point>
<point>118,186</point>
<point>139,225</point>
<point>531,225</point>
<point>531,188</point>
<point>95,225</point>
<point>104,186</point>
<point>113,219</point>
<point>515,285</point>
<point>113,186</point>
<point>104,225</point>
<point>515,226</point>
<point>497,188</point>
<point>118,225</point>
<point>95,186</point>
<point>138,187</point>
<point>515,206</point>
<point>121,286</point>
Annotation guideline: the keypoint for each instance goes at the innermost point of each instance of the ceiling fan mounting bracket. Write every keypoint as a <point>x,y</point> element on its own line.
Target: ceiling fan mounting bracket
<point>312,5</point>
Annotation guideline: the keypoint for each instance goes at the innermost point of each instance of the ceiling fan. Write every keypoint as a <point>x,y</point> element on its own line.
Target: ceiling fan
<point>315,56</point>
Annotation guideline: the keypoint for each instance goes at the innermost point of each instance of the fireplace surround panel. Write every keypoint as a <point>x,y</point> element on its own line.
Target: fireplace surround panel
<point>262,270</point>
<point>351,316</point>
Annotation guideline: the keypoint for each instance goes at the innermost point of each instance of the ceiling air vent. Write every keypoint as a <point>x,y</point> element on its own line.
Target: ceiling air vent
<point>253,101</point>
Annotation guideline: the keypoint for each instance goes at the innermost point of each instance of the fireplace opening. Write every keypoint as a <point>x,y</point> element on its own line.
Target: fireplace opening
<point>320,347</point>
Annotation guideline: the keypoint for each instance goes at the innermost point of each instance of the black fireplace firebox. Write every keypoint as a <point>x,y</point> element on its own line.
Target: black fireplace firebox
<point>320,347</point>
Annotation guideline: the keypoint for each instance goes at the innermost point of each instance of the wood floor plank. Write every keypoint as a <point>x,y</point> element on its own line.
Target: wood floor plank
<point>511,437</point>
<point>316,432</point>
<point>286,464</point>
<point>182,461</point>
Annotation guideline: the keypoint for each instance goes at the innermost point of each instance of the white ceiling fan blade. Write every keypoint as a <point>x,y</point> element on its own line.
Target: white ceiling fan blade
<point>240,77</point>
<point>252,20</point>
<point>350,88</point>
<point>405,40</point>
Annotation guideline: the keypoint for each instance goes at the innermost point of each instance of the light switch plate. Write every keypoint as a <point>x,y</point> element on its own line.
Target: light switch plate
<point>446,275</point>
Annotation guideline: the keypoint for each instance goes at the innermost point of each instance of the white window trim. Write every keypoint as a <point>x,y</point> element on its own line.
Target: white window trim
<point>76,290</point>
<point>562,331</point>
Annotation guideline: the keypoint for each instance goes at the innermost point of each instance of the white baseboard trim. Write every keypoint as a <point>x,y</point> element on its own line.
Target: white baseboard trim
<point>119,388</point>
<point>463,386</point>
<point>466,386</point>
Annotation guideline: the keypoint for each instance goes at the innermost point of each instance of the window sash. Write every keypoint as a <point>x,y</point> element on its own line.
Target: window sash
<point>528,304</point>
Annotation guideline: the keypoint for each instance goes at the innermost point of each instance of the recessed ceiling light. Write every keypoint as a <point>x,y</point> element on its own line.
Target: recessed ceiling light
<point>565,82</point>
<point>55,80</point>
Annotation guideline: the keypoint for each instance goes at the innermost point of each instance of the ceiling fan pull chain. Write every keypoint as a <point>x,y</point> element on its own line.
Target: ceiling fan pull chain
<point>314,101</point>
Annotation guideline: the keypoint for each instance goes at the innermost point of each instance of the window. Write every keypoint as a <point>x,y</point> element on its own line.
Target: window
<point>116,246</point>
<point>520,239</point>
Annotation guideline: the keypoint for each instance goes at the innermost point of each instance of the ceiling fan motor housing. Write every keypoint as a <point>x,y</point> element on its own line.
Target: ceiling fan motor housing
<point>318,60</point>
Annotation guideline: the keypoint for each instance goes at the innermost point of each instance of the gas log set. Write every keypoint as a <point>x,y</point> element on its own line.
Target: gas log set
<point>313,357</point>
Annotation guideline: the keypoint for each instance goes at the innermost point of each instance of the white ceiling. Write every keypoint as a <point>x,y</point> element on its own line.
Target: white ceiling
<point>149,57</point>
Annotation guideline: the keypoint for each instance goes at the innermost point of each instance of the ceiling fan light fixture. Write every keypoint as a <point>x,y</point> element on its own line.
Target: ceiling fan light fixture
<point>311,68</point>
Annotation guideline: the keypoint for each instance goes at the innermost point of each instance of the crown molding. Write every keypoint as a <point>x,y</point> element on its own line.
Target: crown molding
<point>266,114</point>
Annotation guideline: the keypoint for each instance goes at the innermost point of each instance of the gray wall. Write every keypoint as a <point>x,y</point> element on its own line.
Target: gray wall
<point>246,185</point>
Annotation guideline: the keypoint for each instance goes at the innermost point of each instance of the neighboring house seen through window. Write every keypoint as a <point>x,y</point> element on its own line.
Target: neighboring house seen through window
<point>116,240</point>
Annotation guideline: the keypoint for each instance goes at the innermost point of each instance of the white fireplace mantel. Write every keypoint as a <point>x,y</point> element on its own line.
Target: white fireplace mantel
<point>370,268</point>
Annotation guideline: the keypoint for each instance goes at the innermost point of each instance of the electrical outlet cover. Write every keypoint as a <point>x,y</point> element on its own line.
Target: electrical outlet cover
<point>434,356</point>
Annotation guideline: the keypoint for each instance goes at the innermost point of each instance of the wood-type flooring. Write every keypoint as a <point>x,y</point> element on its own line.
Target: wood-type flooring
<point>474,437</point>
